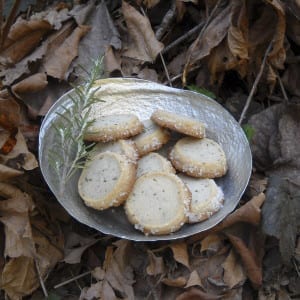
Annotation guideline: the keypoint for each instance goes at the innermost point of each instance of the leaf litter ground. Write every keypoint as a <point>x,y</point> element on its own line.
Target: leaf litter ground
<point>245,54</point>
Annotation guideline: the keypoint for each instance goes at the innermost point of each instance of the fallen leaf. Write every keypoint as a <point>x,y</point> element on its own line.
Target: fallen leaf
<point>103,34</point>
<point>57,64</point>
<point>233,271</point>
<point>8,173</point>
<point>211,244</point>
<point>281,213</point>
<point>249,259</point>
<point>197,294</point>
<point>75,247</point>
<point>148,74</point>
<point>144,45</point>
<point>180,253</point>
<point>81,12</point>
<point>31,84</point>
<point>92,292</point>
<point>112,65</point>
<point>108,292</point>
<point>292,21</point>
<point>194,280</point>
<point>19,277</point>
<point>23,37</point>
<point>177,282</point>
<point>156,264</point>
<point>150,3</point>
<point>98,273</point>
<point>291,79</point>
<point>9,114</point>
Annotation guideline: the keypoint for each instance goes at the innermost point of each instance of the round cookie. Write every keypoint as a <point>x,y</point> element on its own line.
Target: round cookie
<point>113,127</point>
<point>152,138</point>
<point>158,203</point>
<point>106,180</point>
<point>153,162</point>
<point>203,158</point>
<point>125,147</point>
<point>182,124</point>
<point>207,198</point>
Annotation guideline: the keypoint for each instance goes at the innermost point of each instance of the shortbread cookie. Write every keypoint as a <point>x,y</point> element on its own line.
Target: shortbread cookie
<point>152,138</point>
<point>113,127</point>
<point>125,147</point>
<point>182,124</point>
<point>207,198</point>
<point>106,180</point>
<point>202,158</point>
<point>158,203</point>
<point>153,162</point>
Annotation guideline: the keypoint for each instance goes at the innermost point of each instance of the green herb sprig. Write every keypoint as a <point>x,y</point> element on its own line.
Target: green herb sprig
<point>69,150</point>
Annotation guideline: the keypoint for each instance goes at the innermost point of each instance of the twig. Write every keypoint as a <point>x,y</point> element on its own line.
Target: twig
<point>257,79</point>
<point>167,20</point>
<point>187,64</point>
<point>285,96</point>
<point>40,278</point>
<point>179,75</point>
<point>9,21</point>
<point>166,69</point>
<point>72,279</point>
<point>183,38</point>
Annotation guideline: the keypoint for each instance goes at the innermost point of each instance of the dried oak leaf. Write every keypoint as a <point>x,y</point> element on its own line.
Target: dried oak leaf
<point>156,264</point>
<point>31,84</point>
<point>56,64</point>
<point>281,214</point>
<point>144,45</point>
<point>180,253</point>
<point>8,173</point>
<point>194,280</point>
<point>176,282</point>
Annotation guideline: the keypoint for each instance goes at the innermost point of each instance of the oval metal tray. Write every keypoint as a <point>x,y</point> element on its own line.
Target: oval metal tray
<point>142,98</point>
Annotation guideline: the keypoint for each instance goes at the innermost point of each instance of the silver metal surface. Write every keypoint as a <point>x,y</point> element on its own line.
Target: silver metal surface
<point>142,98</point>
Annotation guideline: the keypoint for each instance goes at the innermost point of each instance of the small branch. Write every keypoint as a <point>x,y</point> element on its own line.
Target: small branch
<point>179,75</point>
<point>40,278</point>
<point>285,96</point>
<point>187,64</point>
<point>184,37</point>
<point>9,21</point>
<point>72,279</point>
<point>166,70</point>
<point>167,20</point>
<point>257,79</point>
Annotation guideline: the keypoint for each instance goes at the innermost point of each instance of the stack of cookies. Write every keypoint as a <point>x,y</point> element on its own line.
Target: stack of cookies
<point>159,194</point>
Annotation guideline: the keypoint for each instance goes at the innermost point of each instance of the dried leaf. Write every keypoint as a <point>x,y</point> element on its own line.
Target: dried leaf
<point>107,292</point>
<point>8,173</point>
<point>57,64</point>
<point>75,247</point>
<point>103,34</point>
<point>233,271</point>
<point>9,114</point>
<point>291,78</point>
<point>180,253</point>
<point>150,3</point>
<point>92,292</point>
<point>31,84</point>
<point>211,244</point>
<point>281,214</point>
<point>144,45</point>
<point>156,264</point>
<point>19,277</point>
<point>177,282</point>
<point>249,258</point>
<point>112,66</point>
<point>98,273</point>
<point>23,37</point>
<point>197,294</point>
<point>194,280</point>
<point>148,74</point>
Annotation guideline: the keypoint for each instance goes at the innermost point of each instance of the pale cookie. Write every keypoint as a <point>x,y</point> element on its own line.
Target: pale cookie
<point>113,127</point>
<point>152,138</point>
<point>125,147</point>
<point>202,158</point>
<point>106,180</point>
<point>158,203</point>
<point>182,124</point>
<point>153,162</point>
<point>207,198</point>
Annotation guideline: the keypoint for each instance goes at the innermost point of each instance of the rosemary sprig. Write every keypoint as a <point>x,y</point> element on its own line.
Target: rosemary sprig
<point>69,150</point>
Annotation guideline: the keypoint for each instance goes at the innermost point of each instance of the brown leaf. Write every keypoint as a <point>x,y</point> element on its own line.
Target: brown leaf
<point>156,264</point>
<point>19,277</point>
<point>233,271</point>
<point>177,282</point>
<point>144,45</point>
<point>56,64</point>
<point>211,244</point>
<point>249,259</point>
<point>180,253</point>
<point>107,292</point>
<point>197,294</point>
<point>112,64</point>
<point>150,3</point>
<point>31,84</point>
<point>148,74</point>
<point>249,213</point>
<point>194,279</point>
<point>8,173</point>
<point>23,37</point>
<point>9,114</point>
